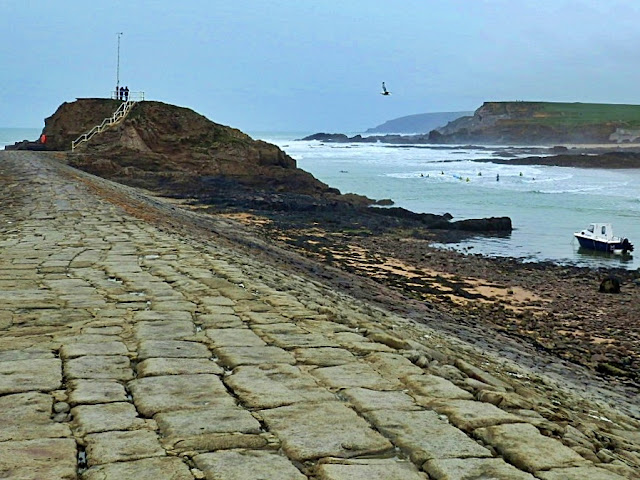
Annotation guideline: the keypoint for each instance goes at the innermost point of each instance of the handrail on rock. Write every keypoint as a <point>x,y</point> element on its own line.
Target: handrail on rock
<point>123,110</point>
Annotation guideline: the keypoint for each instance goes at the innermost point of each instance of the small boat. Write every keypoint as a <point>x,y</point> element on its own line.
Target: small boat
<point>599,236</point>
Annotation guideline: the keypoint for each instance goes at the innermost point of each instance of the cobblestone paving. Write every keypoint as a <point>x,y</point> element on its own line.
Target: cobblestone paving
<point>128,350</point>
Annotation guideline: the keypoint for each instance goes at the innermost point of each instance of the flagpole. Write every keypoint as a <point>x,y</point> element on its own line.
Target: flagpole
<point>118,66</point>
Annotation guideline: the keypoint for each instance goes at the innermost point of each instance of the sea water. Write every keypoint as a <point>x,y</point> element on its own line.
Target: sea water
<point>546,204</point>
<point>9,136</point>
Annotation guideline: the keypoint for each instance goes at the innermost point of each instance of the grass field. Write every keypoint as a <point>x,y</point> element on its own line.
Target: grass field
<point>576,114</point>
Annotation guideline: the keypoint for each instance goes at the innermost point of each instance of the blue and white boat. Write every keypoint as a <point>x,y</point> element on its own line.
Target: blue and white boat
<point>599,236</point>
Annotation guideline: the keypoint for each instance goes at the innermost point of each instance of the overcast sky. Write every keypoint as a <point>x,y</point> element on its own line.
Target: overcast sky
<point>304,65</point>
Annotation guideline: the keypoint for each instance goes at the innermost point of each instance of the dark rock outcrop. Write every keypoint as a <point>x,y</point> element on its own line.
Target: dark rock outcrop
<point>610,285</point>
<point>492,224</point>
<point>618,159</point>
<point>27,145</point>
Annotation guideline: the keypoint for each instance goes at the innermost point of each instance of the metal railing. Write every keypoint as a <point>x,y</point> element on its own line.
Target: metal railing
<point>135,96</point>
<point>116,118</point>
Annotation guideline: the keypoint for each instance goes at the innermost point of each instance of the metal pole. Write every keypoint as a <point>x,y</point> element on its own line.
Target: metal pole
<point>118,66</point>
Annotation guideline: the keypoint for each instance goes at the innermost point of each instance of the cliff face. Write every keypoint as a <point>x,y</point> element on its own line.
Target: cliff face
<point>158,142</point>
<point>539,123</point>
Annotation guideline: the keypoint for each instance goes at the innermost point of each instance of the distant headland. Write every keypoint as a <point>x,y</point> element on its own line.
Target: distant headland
<point>524,123</point>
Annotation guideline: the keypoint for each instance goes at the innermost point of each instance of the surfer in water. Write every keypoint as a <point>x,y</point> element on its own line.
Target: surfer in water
<point>384,90</point>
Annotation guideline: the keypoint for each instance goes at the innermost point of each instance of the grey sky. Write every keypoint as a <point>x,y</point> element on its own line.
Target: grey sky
<point>301,65</point>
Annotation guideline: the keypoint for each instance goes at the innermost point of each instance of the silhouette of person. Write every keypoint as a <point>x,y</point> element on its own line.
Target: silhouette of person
<point>121,93</point>
<point>126,93</point>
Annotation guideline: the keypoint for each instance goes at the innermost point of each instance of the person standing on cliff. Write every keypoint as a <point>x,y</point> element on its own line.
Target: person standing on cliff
<point>121,93</point>
<point>126,93</point>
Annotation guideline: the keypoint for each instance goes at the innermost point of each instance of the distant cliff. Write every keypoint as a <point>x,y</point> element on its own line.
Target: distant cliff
<point>523,123</point>
<point>543,123</point>
<point>419,123</point>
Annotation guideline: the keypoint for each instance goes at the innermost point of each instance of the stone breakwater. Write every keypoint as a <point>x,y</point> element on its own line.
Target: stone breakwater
<point>130,348</point>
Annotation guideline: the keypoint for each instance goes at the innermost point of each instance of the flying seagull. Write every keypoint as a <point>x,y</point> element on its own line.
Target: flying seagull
<point>384,90</point>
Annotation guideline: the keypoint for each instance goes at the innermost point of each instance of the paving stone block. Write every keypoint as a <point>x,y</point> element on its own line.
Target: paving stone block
<point>579,473</point>
<point>359,344</point>
<point>481,375</point>
<point>525,447</point>
<point>159,468</point>
<point>164,330</point>
<point>43,374</point>
<point>219,310</point>
<point>86,338</point>
<point>13,355</point>
<point>106,417</point>
<point>109,447</point>
<point>323,357</point>
<point>27,416</point>
<point>172,349</point>
<point>300,340</point>
<point>234,337</point>
<point>96,391</point>
<point>310,431</point>
<point>177,392</point>
<point>432,387</point>
<point>468,415</point>
<point>115,367</point>
<point>392,365</point>
<point>173,305</point>
<point>170,316</point>
<point>39,459</point>
<point>354,375</point>
<point>15,299</point>
<point>474,469</point>
<point>247,465</point>
<point>262,317</point>
<point>424,435</point>
<point>219,321</point>
<point>199,427</point>
<point>217,300</point>
<point>274,385</point>
<point>364,400</point>
<point>388,469</point>
<point>234,356</point>
<point>153,367</point>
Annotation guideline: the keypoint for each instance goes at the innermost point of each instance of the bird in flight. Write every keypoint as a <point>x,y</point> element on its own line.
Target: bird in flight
<point>384,90</point>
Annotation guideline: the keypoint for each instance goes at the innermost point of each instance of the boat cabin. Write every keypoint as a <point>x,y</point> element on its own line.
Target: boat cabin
<point>600,230</point>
